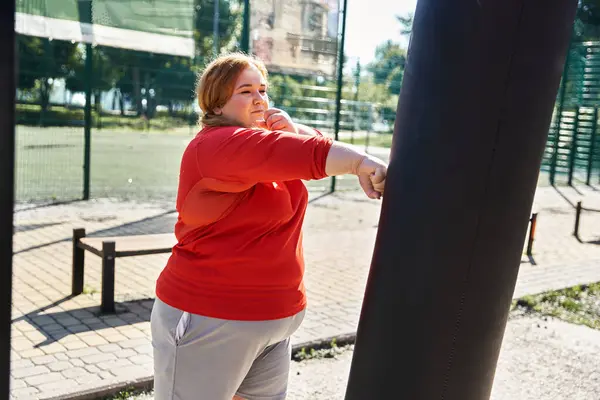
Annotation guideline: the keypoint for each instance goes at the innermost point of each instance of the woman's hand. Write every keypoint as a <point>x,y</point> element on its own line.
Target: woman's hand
<point>278,120</point>
<point>372,173</point>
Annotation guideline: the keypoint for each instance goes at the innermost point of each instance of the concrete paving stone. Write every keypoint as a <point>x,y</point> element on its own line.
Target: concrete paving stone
<point>141,359</point>
<point>109,348</point>
<point>95,340</point>
<point>53,348</point>
<point>74,345</point>
<point>145,348</point>
<point>41,360</point>
<point>68,321</point>
<point>16,383</point>
<point>61,356</point>
<point>133,333</point>
<point>108,374</point>
<point>115,338</point>
<point>56,388</point>
<point>21,343</point>
<point>88,378</point>
<point>135,372</point>
<point>31,353</point>
<point>114,321</point>
<point>131,343</point>
<point>96,326</point>
<point>54,328</point>
<point>24,393</point>
<point>75,372</point>
<point>90,320</point>
<point>29,371</point>
<point>99,357</point>
<point>77,362</point>
<point>114,365</point>
<point>83,352</point>
<point>60,366</point>
<point>22,363</point>
<point>81,315</point>
<point>126,353</point>
<point>92,368</point>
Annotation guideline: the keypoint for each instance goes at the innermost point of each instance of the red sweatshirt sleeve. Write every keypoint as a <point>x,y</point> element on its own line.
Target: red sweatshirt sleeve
<point>233,159</point>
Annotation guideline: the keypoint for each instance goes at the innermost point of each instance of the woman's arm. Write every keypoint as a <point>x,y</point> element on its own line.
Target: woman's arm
<point>307,130</point>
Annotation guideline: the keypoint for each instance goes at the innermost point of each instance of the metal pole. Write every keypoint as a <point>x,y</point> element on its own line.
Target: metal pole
<point>574,146</point>
<point>216,29</point>
<point>7,170</point>
<point>532,226</point>
<point>87,129</point>
<point>245,41</point>
<point>459,194</point>
<point>356,88</point>
<point>590,166</point>
<point>577,219</point>
<point>340,76</point>
<point>85,15</point>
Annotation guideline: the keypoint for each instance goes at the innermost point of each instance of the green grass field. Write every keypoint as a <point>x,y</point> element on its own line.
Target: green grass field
<point>124,164</point>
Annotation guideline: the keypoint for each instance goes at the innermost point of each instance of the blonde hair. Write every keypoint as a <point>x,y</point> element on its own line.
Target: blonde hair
<point>215,85</point>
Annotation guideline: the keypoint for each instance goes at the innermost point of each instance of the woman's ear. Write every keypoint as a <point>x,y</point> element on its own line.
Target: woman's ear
<point>218,111</point>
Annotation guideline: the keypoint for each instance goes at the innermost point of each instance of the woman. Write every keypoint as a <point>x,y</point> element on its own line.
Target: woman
<point>232,292</point>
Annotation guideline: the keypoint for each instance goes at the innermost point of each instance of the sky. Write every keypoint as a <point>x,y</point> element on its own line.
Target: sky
<point>372,22</point>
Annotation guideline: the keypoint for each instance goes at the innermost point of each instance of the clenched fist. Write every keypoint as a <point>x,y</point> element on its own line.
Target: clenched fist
<point>277,120</point>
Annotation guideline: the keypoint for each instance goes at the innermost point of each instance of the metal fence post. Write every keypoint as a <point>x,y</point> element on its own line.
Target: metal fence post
<point>590,166</point>
<point>87,129</point>
<point>340,83</point>
<point>85,15</point>
<point>574,144</point>
<point>7,167</point>
<point>531,239</point>
<point>577,219</point>
<point>245,41</point>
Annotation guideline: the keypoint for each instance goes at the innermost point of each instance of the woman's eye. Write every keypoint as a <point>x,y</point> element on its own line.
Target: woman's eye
<point>245,92</point>
<point>263,91</point>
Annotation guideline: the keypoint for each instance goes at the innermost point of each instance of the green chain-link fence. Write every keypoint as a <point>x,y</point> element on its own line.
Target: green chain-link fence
<point>108,111</point>
<point>573,150</point>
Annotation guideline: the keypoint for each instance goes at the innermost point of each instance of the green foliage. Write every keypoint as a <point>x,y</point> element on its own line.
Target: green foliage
<point>230,25</point>
<point>406,23</point>
<point>388,66</point>
<point>587,23</point>
<point>41,61</point>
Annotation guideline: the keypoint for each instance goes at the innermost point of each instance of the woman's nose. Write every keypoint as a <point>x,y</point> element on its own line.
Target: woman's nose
<point>258,98</point>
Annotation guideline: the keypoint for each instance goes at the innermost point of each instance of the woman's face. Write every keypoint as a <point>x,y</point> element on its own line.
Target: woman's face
<point>249,100</point>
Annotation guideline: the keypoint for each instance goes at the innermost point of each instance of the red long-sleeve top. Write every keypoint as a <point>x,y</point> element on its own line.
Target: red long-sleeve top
<point>241,205</point>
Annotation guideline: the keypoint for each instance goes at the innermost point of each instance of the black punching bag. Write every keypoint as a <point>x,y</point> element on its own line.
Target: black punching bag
<point>476,103</point>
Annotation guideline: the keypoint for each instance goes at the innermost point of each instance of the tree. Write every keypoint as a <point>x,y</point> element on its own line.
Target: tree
<point>105,73</point>
<point>406,23</point>
<point>587,24</point>
<point>42,61</point>
<point>388,66</point>
<point>230,23</point>
<point>175,82</point>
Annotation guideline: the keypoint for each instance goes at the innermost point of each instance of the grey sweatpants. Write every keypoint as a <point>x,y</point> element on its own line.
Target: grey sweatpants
<point>203,358</point>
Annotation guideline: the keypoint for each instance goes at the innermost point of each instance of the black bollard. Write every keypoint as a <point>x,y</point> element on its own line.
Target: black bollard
<point>7,170</point>
<point>479,87</point>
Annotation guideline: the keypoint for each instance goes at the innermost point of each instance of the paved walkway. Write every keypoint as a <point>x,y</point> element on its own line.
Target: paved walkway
<point>61,345</point>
